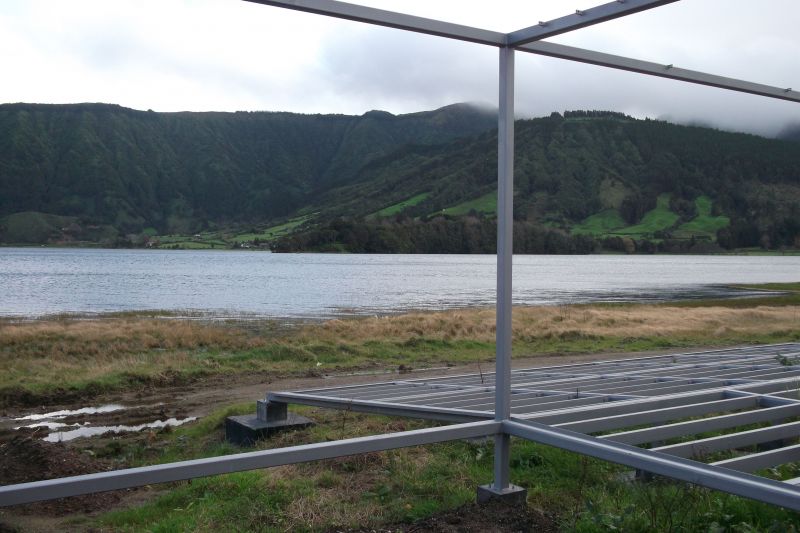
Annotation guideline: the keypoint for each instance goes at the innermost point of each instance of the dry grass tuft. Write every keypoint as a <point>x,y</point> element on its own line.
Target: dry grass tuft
<point>121,352</point>
<point>634,321</point>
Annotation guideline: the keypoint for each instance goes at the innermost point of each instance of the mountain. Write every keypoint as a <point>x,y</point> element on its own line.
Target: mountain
<point>602,175</point>
<point>175,172</point>
<point>422,182</point>
<point>790,133</point>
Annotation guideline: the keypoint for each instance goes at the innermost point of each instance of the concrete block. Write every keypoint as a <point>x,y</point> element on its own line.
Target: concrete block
<point>245,430</point>
<point>512,495</point>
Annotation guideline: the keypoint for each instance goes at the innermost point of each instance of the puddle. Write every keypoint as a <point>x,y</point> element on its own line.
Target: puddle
<point>48,425</point>
<point>109,408</point>
<point>90,431</point>
<point>70,424</point>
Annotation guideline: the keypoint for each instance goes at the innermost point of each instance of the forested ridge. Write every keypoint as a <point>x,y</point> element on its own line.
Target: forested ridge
<point>422,182</point>
<point>181,172</point>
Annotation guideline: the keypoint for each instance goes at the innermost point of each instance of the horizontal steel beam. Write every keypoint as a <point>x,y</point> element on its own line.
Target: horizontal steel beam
<point>749,486</point>
<point>660,415</point>
<point>702,447</point>
<point>582,19</point>
<point>382,408</point>
<point>626,407</point>
<point>693,427</point>
<point>660,70</point>
<point>147,475</point>
<point>391,19</point>
<point>757,461</point>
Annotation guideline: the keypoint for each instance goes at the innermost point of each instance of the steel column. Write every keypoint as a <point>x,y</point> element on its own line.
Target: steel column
<point>505,252</point>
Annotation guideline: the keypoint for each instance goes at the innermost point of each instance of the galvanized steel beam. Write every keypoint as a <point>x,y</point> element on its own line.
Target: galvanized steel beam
<point>692,427</point>
<point>757,461</point>
<point>147,475</point>
<point>423,412</point>
<point>660,70</point>
<point>701,447</point>
<point>607,423</point>
<point>582,19</point>
<point>391,19</point>
<point>749,486</point>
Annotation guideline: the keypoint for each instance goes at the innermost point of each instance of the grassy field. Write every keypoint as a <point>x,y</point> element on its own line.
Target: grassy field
<point>600,224</point>
<point>704,225</point>
<point>658,219</point>
<point>396,208</point>
<point>210,240</point>
<point>273,232</point>
<point>483,204</point>
<point>610,223</point>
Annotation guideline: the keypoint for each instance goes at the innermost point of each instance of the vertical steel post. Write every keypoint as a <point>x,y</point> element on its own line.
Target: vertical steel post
<point>505,224</point>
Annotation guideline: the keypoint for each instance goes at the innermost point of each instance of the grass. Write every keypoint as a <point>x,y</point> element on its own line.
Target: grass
<point>601,223</point>
<point>273,232</point>
<point>371,490</point>
<point>84,356</point>
<point>704,225</point>
<point>610,223</point>
<point>658,219</point>
<point>209,240</point>
<point>484,204</point>
<point>398,207</point>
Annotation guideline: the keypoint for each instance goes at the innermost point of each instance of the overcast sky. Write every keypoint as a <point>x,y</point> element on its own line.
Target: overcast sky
<point>227,55</point>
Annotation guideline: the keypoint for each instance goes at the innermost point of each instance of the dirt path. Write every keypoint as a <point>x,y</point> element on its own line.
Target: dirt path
<point>201,398</point>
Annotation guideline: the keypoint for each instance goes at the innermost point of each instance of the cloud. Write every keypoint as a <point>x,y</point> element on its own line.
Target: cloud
<point>222,55</point>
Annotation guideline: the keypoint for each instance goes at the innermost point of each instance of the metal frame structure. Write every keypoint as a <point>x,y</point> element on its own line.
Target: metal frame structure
<point>678,396</point>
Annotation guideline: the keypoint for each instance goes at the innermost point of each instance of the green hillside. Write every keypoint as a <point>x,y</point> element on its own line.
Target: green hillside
<point>623,183</point>
<point>182,173</point>
<point>400,206</point>
<point>585,181</point>
<point>484,204</point>
<point>705,225</point>
<point>600,224</point>
<point>657,220</point>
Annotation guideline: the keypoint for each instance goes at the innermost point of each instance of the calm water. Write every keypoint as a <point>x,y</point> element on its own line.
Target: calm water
<point>35,282</point>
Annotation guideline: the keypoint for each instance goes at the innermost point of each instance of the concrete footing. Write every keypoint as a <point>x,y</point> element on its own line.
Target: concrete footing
<point>245,430</point>
<point>512,495</point>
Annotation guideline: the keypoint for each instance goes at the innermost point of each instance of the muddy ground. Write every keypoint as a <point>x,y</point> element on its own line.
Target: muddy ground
<point>25,456</point>
<point>491,517</point>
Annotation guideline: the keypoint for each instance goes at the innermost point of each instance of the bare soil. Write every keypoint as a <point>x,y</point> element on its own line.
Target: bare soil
<point>491,517</point>
<point>24,458</point>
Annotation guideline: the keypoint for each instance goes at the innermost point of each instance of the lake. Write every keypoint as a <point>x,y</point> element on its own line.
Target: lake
<point>241,284</point>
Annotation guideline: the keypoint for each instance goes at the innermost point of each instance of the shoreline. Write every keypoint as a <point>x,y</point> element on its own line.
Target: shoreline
<point>744,252</point>
<point>704,293</point>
